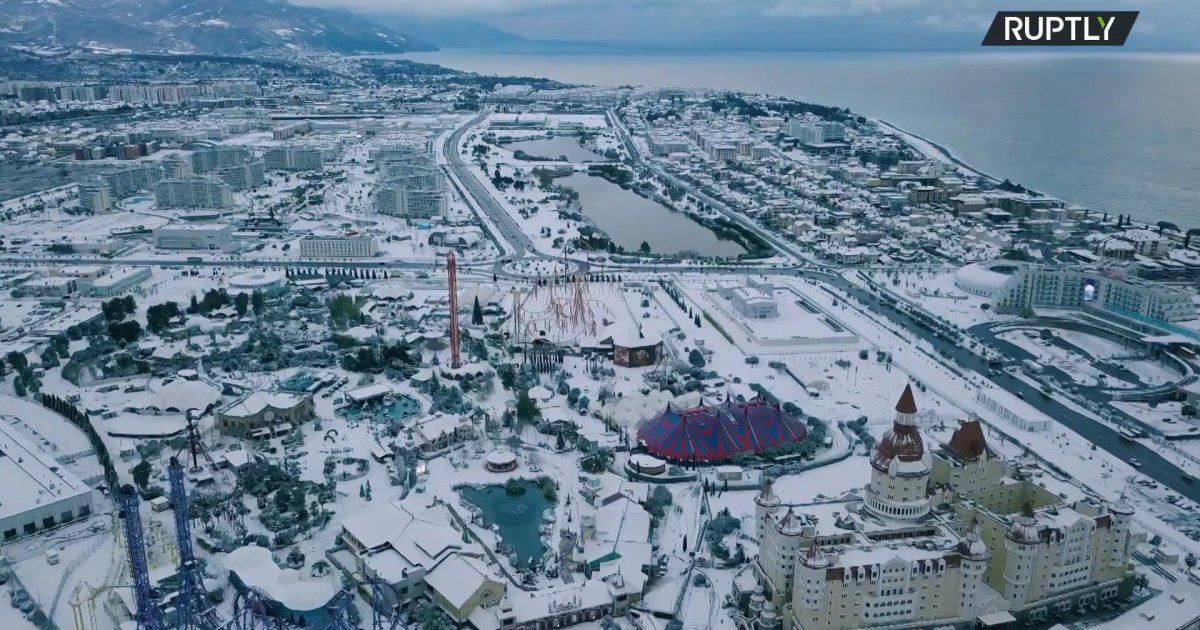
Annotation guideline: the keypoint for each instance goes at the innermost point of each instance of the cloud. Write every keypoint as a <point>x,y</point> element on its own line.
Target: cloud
<point>972,22</point>
<point>826,8</point>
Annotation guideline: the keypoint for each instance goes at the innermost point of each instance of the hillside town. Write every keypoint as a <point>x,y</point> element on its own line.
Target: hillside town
<point>357,342</point>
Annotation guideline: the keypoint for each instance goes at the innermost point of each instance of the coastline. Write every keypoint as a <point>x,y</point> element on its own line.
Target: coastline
<point>939,152</point>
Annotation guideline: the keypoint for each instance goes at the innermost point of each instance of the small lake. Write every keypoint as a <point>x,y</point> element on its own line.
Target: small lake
<point>517,517</point>
<point>556,147</point>
<point>628,219</point>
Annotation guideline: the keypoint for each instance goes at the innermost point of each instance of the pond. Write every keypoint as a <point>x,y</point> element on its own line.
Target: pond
<point>629,219</point>
<point>556,147</point>
<point>387,412</point>
<point>517,517</point>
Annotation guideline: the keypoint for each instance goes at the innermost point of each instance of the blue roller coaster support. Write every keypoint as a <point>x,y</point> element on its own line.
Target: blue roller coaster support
<point>149,617</point>
<point>195,611</point>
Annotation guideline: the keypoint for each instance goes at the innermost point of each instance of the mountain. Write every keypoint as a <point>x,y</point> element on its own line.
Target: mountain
<point>452,32</point>
<point>195,26</point>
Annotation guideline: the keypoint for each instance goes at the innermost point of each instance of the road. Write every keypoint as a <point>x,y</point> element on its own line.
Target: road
<point>509,231</point>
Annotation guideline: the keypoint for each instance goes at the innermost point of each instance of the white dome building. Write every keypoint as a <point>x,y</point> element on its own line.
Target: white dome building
<point>265,281</point>
<point>984,279</point>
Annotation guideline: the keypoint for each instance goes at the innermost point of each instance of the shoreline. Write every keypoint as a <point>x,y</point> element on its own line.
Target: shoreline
<point>943,153</point>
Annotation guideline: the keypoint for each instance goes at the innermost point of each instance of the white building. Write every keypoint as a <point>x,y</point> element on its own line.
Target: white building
<point>805,132</point>
<point>118,281</point>
<point>294,158</point>
<point>338,247</point>
<point>243,176</point>
<point>95,196</point>
<point>193,192</point>
<point>37,492</point>
<point>395,199</point>
<point>208,237</point>
<point>755,300</point>
<point>1036,286</point>
<point>128,180</point>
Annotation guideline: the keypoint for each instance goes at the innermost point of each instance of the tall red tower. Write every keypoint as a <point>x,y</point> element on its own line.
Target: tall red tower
<point>452,275</point>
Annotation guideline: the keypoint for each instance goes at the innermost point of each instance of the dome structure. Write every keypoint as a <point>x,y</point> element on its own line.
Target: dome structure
<point>717,432</point>
<point>902,444</point>
<point>984,279</point>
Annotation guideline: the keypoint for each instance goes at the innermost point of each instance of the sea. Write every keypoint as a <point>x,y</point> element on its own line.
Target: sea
<point>1117,132</point>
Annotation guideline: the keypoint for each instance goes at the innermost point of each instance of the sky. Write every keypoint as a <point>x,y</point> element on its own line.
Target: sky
<point>782,24</point>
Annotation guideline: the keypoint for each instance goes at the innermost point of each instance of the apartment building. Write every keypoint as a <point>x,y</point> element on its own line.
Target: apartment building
<point>294,158</point>
<point>395,199</point>
<point>96,197</point>
<point>193,192</point>
<point>125,181</point>
<point>244,176</point>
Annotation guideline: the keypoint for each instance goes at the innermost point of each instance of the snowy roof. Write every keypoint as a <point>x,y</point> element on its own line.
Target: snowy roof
<point>119,274</point>
<point>456,580</point>
<point>632,409</point>
<point>183,395</point>
<point>255,403</point>
<point>529,606</point>
<point>1177,608</point>
<point>398,539</point>
<point>31,477</point>
<point>501,458</point>
<point>369,392</point>
<point>256,569</point>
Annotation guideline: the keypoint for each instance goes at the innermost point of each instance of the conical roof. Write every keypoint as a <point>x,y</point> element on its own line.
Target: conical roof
<point>766,496</point>
<point>789,525</point>
<point>907,403</point>
<point>1122,506</point>
<point>968,441</point>
<point>972,545</point>
<point>815,559</point>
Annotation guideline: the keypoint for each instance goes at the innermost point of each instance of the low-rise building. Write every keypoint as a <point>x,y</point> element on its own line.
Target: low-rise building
<point>49,286</point>
<point>754,300</point>
<point>218,237</point>
<point>118,281</point>
<point>257,411</point>
<point>338,247</point>
<point>37,492</point>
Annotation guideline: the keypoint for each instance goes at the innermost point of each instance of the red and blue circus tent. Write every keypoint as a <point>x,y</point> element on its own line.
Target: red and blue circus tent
<point>715,433</point>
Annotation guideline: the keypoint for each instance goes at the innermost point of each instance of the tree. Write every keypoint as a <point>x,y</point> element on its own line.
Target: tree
<point>257,300</point>
<point>241,303</point>
<point>644,247</point>
<point>141,474</point>
<point>477,313</point>
<point>526,408</point>
<point>696,358</point>
<point>17,361</point>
